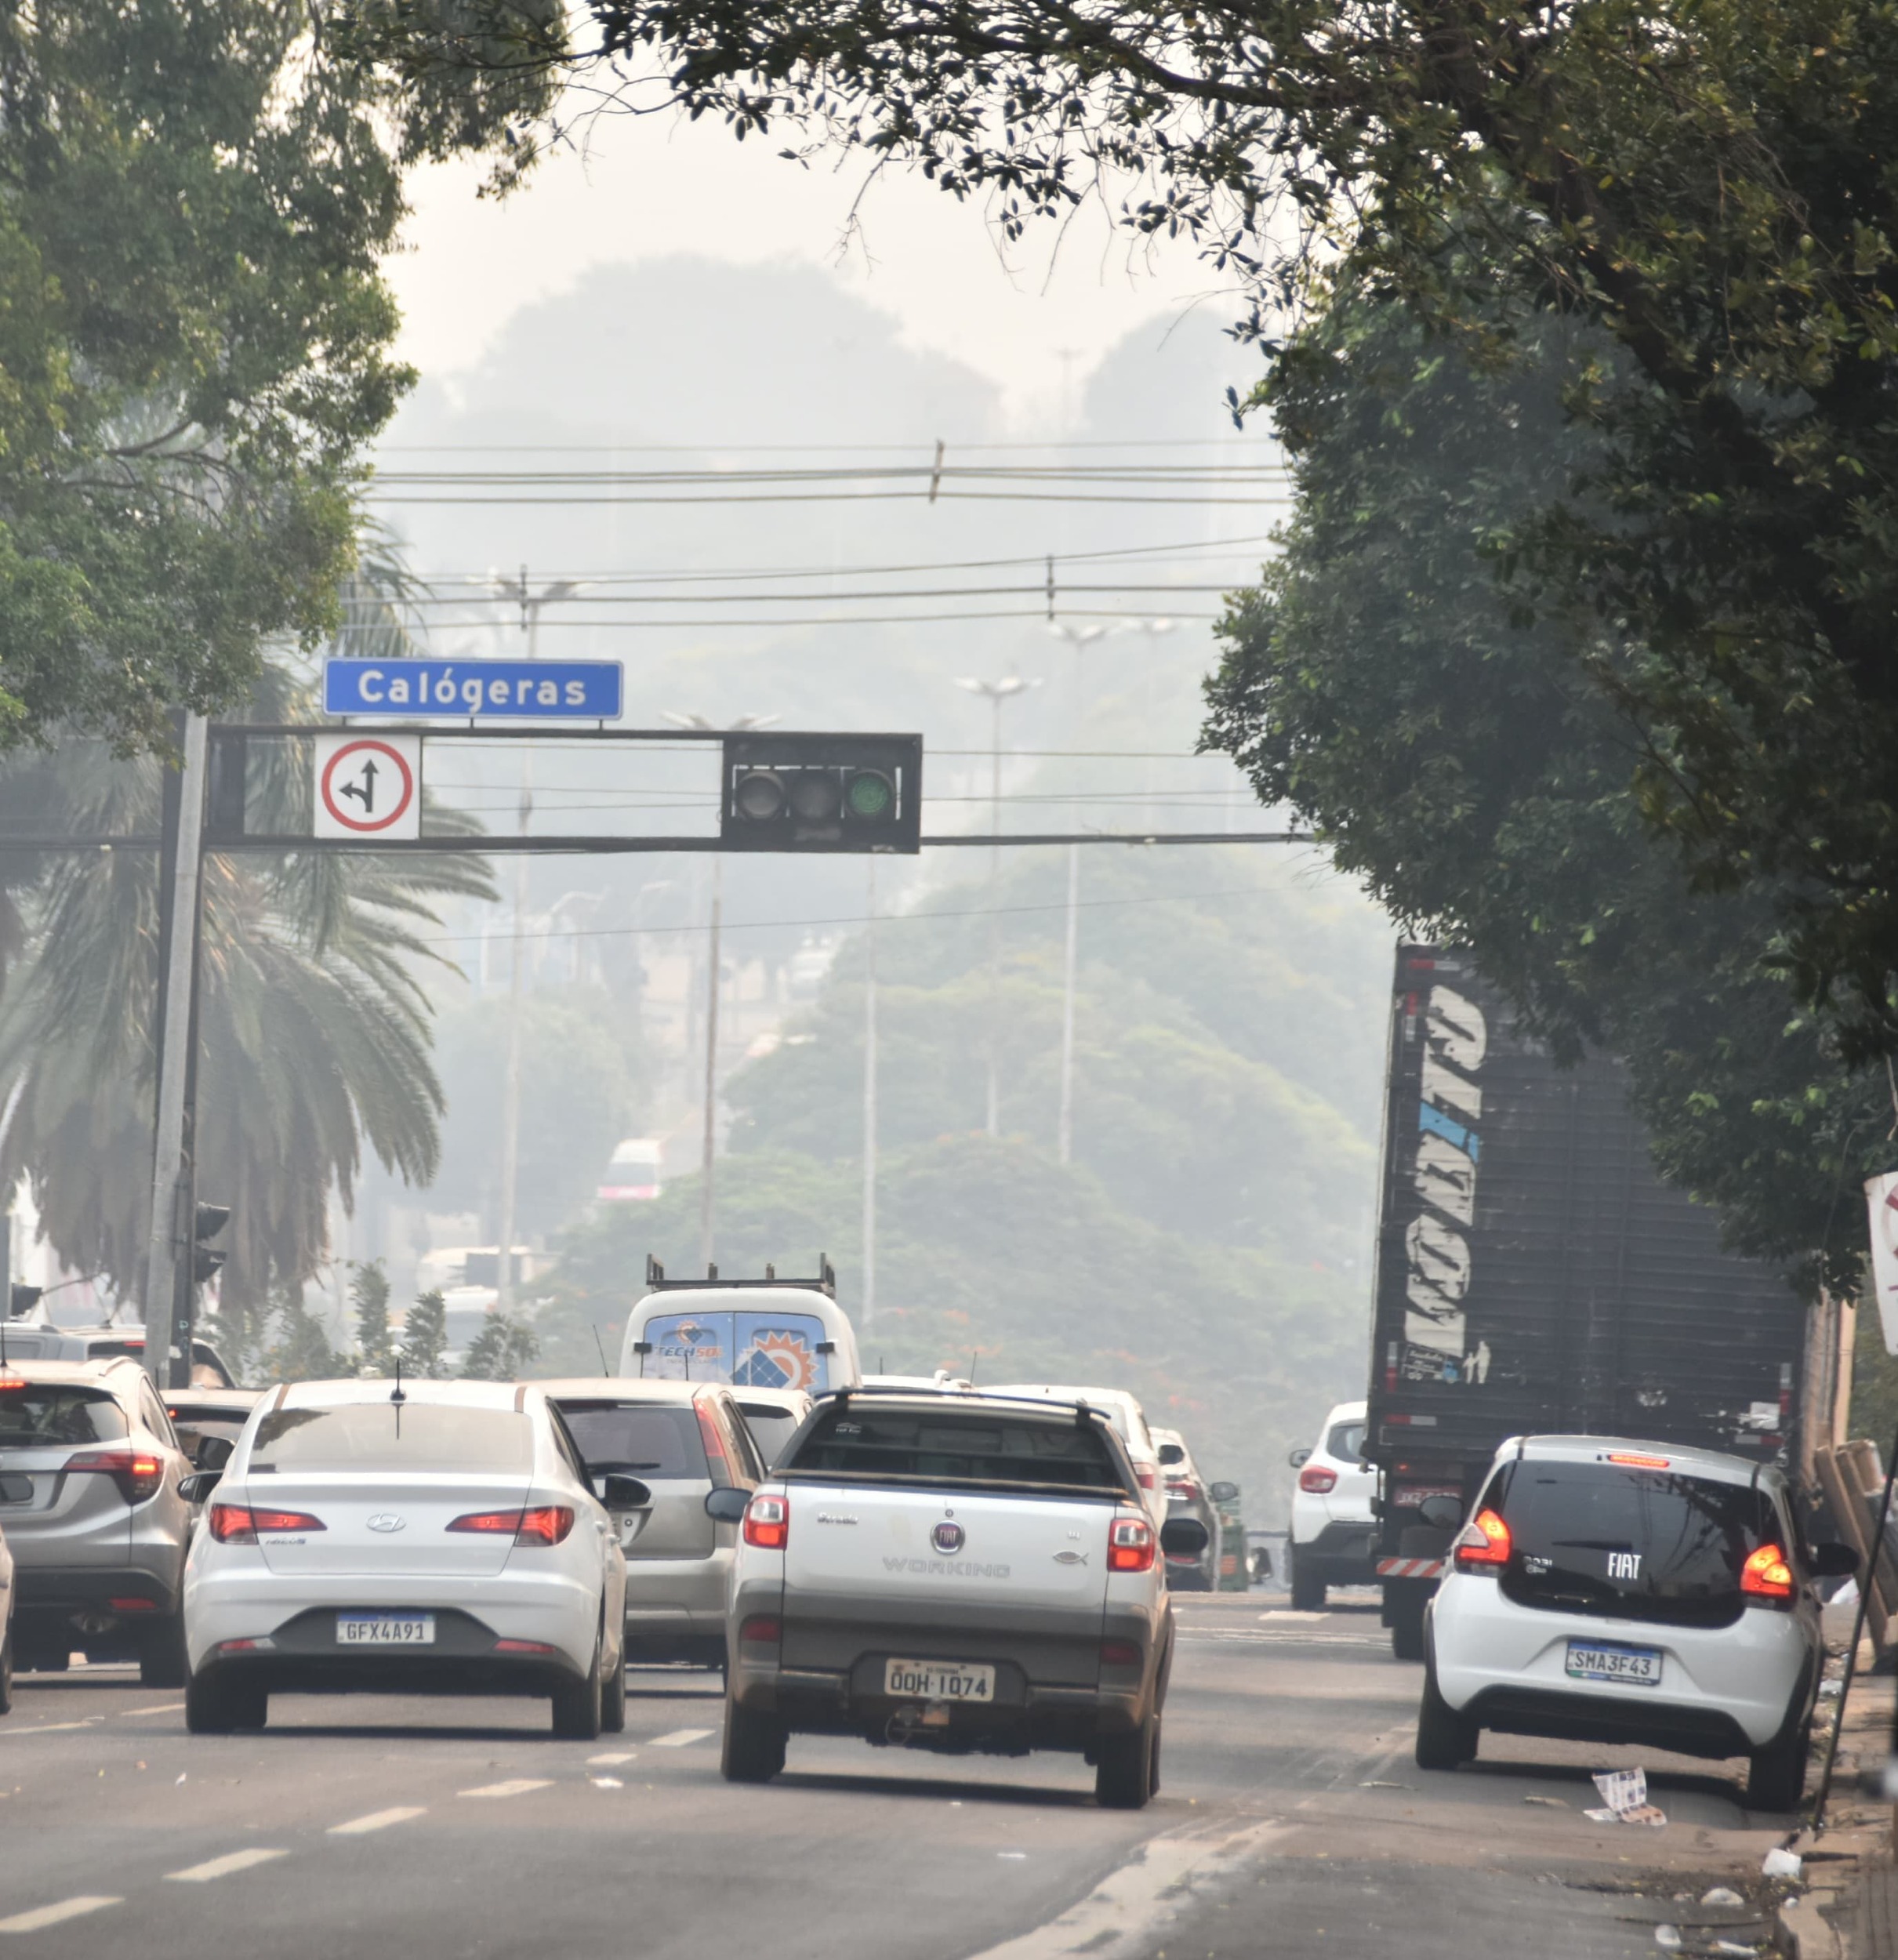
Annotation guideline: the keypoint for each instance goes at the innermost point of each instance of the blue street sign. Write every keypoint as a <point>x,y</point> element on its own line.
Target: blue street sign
<point>460,690</point>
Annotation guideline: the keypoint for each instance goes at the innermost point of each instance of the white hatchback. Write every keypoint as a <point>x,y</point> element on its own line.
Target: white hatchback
<point>443,1538</point>
<point>1614,1591</point>
<point>1333,1541</point>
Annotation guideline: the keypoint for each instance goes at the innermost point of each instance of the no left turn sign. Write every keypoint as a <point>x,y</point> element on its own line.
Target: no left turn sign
<point>369,785</point>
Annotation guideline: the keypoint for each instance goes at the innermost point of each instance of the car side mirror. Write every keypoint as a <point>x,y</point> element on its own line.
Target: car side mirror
<point>199,1485</point>
<point>1299,1458</point>
<point>727,1505</point>
<point>213,1452</point>
<point>1223,1493</point>
<point>1833,1560</point>
<point>1183,1537</point>
<point>1441,1514</point>
<point>619,1492</point>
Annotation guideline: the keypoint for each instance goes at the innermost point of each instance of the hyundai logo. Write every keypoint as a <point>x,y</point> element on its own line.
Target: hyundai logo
<point>948,1537</point>
<point>387,1521</point>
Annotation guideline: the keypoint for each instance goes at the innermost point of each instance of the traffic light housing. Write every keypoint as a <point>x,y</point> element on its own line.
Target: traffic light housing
<point>817,792</point>
<point>206,1263</point>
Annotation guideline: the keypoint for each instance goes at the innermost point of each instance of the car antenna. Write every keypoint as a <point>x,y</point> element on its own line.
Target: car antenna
<point>972,1353</point>
<point>396,1395</point>
<point>600,1346</point>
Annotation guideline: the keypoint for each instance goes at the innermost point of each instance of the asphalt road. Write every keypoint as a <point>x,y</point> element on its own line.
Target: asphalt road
<point>1291,1822</point>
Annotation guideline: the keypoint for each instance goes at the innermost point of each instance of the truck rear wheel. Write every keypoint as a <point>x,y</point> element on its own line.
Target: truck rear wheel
<point>1404,1603</point>
<point>1125,1769</point>
<point>754,1745</point>
<point>1308,1585</point>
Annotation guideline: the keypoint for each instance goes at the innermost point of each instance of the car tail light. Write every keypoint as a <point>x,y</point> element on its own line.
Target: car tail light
<point>1130,1545</point>
<point>137,1474</point>
<point>543,1525</point>
<point>761,1629</point>
<point>1184,1487</point>
<point>1484,1544</point>
<point>1634,1461</point>
<point>523,1646</point>
<point>1148,1476</point>
<point>714,1444</point>
<point>133,1606</point>
<point>1767,1574</point>
<point>240,1523</point>
<point>767,1522</point>
<point>1316,1478</point>
<point>262,1644</point>
<point>1120,1653</point>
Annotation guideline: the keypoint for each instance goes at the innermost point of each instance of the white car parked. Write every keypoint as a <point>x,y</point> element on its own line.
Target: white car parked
<point>441,1538</point>
<point>1334,1534</point>
<point>1610,1591</point>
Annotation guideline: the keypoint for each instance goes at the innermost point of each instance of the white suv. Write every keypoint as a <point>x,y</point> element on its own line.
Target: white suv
<point>1610,1591</point>
<point>1334,1536</point>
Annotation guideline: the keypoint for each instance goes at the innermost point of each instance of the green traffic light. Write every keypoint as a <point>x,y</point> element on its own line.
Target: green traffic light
<point>870,794</point>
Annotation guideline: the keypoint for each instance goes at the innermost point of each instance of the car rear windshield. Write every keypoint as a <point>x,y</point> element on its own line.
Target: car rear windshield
<point>771,1427</point>
<point>43,1415</point>
<point>954,1447</point>
<point>1346,1441</point>
<point>382,1435</point>
<point>649,1442</point>
<point>1642,1544</point>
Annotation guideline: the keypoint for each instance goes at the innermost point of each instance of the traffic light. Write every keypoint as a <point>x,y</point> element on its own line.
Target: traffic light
<point>815,792</point>
<point>206,1264</point>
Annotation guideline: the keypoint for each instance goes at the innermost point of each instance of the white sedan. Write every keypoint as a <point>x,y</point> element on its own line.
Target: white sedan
<point>441,1538</point>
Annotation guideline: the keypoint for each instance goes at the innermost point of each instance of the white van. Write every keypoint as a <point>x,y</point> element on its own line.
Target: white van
<point>633,1172</point>
<point>753,1333</point>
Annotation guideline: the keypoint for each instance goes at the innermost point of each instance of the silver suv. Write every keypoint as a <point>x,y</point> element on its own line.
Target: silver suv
<point>682,1440</point>
<point>89,1502</point>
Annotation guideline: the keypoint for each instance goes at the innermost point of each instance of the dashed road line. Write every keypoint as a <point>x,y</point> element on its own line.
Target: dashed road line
<point>612,1755</point>
<point>377,1820</point>
<point>162,1708</point>
<point>514,1787</point>
<point>231,1863</point>
<point>680,1737</point>
<point>51,1728</point>
<point>53,1915</point>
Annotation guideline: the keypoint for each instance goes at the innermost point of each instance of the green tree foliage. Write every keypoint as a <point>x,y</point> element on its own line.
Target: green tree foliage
<point>1705,186</point>
<point>369,1301</point>
<point>425,1336</point>
<point>502,1351</point>
<point>315,1029</point>
<point>195,343</point>
<point>1391,682</point>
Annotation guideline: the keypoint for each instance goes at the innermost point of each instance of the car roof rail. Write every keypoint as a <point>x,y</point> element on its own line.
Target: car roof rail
<point>825,1281</point>
<point>1083,1412</point>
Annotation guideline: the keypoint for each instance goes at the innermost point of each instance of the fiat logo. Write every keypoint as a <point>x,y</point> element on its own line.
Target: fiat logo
<point>387,1521</point>
<point>947,1537</point>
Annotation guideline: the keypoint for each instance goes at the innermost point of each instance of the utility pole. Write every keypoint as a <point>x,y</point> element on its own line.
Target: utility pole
<point>869,1100</point>
<point>1077,637</point>
<point>996,691</point>
<point>530,602</point>
<point>709,1144</point>
<point>179,875</point>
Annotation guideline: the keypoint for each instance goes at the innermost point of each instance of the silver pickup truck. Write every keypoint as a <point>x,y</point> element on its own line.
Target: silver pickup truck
<point>953,1572</point>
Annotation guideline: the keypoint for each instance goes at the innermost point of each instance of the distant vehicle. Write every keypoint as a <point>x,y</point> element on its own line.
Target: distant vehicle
<point>682,1440</point>
<point>1629,1591</point>
<point>749,1334</point>
<point>1333,1539</point>
<point>772,1416</point>
<point>214,1414</point>
<point>1189,1495</point>
<point>1535,1276</point>
<point>38,1340</point>
<point>93,1505</point>
<point>806,970</point>
<point>449,1542</point>
<point>633,1172</point>
<point>941,1382</point>
<point>957,1574</point>
<point>1130,1421</point>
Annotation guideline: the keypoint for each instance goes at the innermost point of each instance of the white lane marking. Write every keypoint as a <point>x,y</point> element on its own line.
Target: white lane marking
<point>162,1708</point>
<point>376,1821</point>
<point>232,1861</point>
<point>51,1728</point>
<point>1116,1919</point>
<point>680,1737</point>
<point>514,1787</point>
<point>52,1916</point>
<point>612,1755</point>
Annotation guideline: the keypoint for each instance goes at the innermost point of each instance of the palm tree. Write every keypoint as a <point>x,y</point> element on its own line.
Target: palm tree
<point>315,1029</point>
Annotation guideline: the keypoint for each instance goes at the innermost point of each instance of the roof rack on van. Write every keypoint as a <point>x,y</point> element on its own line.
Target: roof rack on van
<point>656,1281</point>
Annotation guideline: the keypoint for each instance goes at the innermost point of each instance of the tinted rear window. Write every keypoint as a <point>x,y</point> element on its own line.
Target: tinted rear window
<point>647,1441</point>
<point>380,1435</point>
<point>1642,1544</point>
<point>42,1415</point>
<point>1346,1441</point>
<point>953,1446</point>
<point>771,1428</point>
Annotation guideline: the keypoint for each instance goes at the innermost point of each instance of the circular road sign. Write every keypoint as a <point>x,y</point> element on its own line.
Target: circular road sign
<point>367,786</point>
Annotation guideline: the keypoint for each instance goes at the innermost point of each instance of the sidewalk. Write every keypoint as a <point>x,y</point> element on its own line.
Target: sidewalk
<point>1846,1907</point>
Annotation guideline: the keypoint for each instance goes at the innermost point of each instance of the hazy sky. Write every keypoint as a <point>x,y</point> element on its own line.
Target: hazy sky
<point>650,187</point>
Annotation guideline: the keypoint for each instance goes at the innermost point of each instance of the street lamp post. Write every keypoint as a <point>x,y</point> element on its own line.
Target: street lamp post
<point>708,1145</point>
<point>1077,637</point>
<point>996,692</point>
<point>518,592</point>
